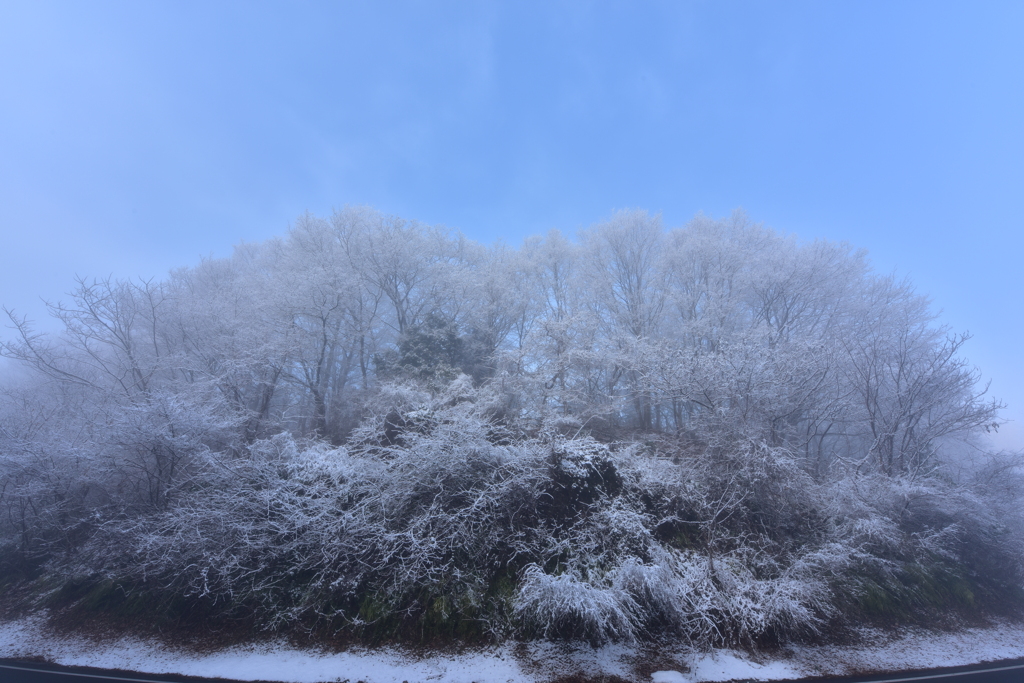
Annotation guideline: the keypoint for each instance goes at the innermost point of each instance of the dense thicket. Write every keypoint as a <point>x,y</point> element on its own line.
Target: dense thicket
<point>715,432</point>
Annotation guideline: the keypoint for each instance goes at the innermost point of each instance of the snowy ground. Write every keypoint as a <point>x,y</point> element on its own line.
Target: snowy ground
<point>515,663</point>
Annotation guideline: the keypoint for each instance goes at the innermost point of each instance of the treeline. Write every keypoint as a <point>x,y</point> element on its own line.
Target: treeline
<point>712,432</point>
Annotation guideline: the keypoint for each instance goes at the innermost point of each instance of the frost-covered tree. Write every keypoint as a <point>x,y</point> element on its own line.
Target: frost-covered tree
<point>712,432</point>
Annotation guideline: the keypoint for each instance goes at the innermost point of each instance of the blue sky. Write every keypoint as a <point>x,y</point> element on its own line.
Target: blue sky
<point>138,137</point>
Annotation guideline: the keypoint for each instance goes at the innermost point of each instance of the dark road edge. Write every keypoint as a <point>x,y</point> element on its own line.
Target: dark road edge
<point>948,674</point>
<point>95,673</point>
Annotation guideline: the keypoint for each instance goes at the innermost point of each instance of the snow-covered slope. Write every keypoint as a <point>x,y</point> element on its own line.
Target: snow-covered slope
<point>511,662</point>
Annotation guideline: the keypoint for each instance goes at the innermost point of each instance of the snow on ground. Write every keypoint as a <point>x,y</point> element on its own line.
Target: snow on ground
<point>915,650</point>
<point>510,663</point>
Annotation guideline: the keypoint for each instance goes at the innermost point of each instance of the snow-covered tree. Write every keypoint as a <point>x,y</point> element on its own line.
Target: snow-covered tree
<point>714,432</point>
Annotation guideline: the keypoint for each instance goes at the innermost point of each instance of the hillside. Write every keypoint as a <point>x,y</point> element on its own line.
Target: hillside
<point>377,430</point>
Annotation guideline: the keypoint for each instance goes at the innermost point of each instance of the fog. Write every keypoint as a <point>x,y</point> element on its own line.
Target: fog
<point>711,431</point>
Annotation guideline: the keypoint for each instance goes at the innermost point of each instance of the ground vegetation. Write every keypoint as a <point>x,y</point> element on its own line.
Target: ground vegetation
<point>715,433</point>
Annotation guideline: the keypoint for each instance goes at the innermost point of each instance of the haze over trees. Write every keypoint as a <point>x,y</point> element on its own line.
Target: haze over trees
<point>715,433</point>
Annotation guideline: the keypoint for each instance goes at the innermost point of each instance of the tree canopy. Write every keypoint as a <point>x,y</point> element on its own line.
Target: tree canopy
<point>715,430</point>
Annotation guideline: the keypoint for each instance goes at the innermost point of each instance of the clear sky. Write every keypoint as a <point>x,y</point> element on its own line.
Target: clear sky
<point>136,137</point>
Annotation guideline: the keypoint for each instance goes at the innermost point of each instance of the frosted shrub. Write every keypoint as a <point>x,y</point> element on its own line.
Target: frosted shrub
<point>721,602</point>
<point>751,605</point>
<point>304,531</point>
<point>735,586</point>
<point>566,606</point>
<point>448,526</point>
<point>672,593</point>
<point>244,535</point>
